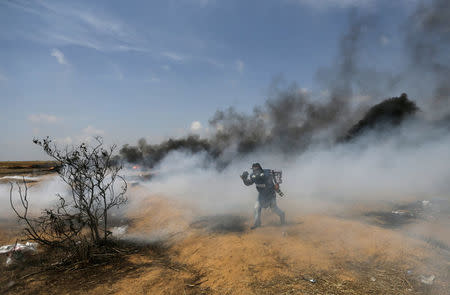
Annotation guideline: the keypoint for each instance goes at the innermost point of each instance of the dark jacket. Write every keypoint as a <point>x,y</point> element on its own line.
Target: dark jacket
<point>264,184</point>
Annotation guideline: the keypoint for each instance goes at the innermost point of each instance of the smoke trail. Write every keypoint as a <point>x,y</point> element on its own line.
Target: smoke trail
<point>427,42</point>
<point>289,122</point>
<point>292,121</point>
<point>149,155</point>
<point>385,115</point>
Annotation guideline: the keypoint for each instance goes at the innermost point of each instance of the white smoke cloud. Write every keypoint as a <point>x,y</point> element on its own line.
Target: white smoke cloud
<point>42,118</point>
<point>409,164</point>
<point>40,196</point>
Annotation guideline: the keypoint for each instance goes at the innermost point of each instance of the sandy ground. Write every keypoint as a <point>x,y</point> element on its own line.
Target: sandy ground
<point>335,251</point>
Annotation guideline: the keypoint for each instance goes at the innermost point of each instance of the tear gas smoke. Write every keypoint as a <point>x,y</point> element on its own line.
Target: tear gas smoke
<point>409,164</point>
<point>40,196</point>
<point>395,151</point>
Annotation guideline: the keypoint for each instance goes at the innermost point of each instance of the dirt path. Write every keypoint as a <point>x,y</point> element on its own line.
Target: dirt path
<point>312,254</point>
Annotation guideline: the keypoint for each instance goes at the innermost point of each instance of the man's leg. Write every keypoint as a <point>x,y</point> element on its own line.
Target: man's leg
<point>275,209</point>
<point>257,215</point>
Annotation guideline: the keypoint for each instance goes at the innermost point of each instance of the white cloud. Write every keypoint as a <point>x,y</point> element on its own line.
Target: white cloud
<point>166,68</point>
<point>384,40</point>
<point>214,62</point>
<point>92,131</point>
<point>62,23</point>
<point>240,66</point>
<point>69,23</point>
<point>87,136</point>
<point>64,141</point>
<point>42,118</point>
<point>196,126</point>
<point>335,3</point>
<point>173,56</point>
<point>155,79</point>
<point>59,56</point>
<point>3,77</point>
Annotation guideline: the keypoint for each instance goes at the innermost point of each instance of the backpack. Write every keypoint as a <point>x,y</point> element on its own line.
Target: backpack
<point>277,176</point>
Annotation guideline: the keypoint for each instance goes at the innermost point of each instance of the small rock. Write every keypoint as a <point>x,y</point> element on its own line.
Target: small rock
<point>10,284</point>
<point>119,231</point>
<point>372,279</point>
<point>427,280</point>
<point>9,261</point>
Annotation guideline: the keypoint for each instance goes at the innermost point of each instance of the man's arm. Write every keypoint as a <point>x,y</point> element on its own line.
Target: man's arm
<point>245,179</point>
<point>277,189</point>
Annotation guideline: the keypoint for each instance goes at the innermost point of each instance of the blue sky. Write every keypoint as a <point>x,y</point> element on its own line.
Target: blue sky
<point>132,69</point>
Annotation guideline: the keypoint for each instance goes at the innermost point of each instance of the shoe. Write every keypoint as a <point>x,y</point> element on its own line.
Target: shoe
<point>255,225</point>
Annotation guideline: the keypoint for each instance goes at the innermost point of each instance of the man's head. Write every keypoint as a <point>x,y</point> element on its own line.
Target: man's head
<point>256,167</point>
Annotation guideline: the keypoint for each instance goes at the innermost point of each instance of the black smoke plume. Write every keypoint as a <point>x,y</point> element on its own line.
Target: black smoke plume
<point>428,46</point>
<point>151,154</point>
<point>288,123</point>
<point>292,120</point>
<point>385,115</point>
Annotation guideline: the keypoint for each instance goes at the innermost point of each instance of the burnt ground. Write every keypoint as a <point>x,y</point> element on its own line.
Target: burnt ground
<point>366,251</point>
<point>314,256</point>
<point>425,214</point>
<point>227,223</point>
<point>135,261</point>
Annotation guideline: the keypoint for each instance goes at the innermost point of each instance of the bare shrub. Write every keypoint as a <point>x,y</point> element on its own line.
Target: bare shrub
<point>78,222</point>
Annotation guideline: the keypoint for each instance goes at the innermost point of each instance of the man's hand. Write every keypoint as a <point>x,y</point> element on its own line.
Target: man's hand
<point>244,175</point>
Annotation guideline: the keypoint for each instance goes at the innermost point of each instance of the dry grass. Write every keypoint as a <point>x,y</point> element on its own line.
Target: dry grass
<point>27,167</point>
<point>221,255</point>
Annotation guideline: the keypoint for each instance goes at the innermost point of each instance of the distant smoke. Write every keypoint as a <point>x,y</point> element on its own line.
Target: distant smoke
<point>292,121</point>
<point>151,154</point>
<point>391,112</point>
<point>288,124</point>
<point>428,46</point>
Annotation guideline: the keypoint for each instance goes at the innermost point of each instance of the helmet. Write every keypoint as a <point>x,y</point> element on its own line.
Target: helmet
<point>256,165</point>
